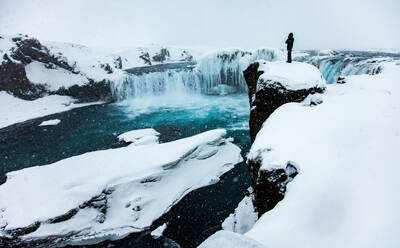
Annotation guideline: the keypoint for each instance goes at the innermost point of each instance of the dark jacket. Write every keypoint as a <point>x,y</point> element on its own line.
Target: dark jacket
<point>290,41</point>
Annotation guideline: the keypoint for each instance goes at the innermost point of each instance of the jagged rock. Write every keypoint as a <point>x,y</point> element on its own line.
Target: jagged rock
<point>162,56</point>
<point>270,85</point>
<point>93,91</point>
<point>118,63</point>
<point>341,80</point>
<point>146,57</point>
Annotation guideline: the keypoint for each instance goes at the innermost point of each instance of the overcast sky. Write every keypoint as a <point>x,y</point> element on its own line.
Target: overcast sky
<point>316,24</point>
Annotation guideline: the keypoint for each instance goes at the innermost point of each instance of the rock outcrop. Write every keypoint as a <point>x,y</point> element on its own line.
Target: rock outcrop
<point>270,85</point>
<point>19,51</point>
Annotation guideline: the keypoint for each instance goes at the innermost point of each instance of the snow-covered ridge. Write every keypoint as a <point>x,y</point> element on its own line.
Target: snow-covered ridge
<point>345,149</point>
<point>110,193</point>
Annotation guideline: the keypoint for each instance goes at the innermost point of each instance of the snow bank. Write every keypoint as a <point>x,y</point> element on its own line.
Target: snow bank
<point>54,79</point>
<point>50,122</point>
<point>292,76</point>
<point>230,239</point>
<point>243,219</point>
<point>16,110</point>
<point>112,192</point>
<point>140,137</point>
<point>346,151</point>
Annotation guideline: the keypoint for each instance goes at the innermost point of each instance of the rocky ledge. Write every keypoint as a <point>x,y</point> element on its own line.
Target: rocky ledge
<point>272,84</point>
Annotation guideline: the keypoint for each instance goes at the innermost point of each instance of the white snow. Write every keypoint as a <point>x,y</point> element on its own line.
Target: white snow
<point>243,219</point>
<point>230,239</point>
<point>347,153</point>
<point>142,182</point>
<point>157,233</point>
<point>50,122</point>
<point>16,110</point>
<point>54,79</point>
<point>140,137</point>
<point>293,76</point>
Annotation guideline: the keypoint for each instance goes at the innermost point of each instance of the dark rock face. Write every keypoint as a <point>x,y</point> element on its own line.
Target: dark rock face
<point>13,78</point>
<point>265,97</point>
<point>162,56</point>
<point>146,57</point>
<point>269,185</point>
<point>91,92</point>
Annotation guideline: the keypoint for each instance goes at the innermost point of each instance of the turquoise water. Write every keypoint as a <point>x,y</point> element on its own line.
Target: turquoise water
<point>96,127</point>
<point>200,213</point>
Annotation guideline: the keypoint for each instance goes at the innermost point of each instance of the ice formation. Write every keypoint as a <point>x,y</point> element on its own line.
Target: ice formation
<point>50,122</point>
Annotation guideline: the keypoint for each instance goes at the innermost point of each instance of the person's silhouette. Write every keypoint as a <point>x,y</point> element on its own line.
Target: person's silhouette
<point>289,43</point>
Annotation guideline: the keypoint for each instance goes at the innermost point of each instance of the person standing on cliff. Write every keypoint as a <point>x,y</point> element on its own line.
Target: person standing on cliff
<point>289,43</point>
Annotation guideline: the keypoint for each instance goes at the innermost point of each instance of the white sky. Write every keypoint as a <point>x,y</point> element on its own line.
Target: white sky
<point>316,24</point>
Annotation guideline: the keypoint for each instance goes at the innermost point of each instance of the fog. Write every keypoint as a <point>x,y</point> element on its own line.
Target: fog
<point>316,24</point>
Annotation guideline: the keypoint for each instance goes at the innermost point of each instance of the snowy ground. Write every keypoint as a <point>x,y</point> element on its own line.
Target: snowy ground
<point>115,192</point>
<point>346,151</point>
<point>16,110</point>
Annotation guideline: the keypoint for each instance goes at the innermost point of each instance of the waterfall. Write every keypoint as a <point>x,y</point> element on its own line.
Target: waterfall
<point>154,83</point>
<point>221,72</point>
<point>339,64</point>
<point>216,73</point>
<point>225,68</point>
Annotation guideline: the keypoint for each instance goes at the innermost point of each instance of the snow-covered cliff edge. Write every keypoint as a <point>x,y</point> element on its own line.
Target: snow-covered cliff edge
<point>344,145</point>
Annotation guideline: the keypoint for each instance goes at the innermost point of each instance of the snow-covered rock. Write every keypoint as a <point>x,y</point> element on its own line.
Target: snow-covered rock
<point>291,76</point>
<point>50,122</point>
<point>346,151</point>
<point>139,137</point>
<point>272,84</point>
<point>109,194</point>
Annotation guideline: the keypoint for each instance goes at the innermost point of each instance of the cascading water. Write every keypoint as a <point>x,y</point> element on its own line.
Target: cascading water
<point>154,83</point>
<point>217,73</point>
<point>220,73</point>
<point>334,64</point>
<point>224,70</point>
